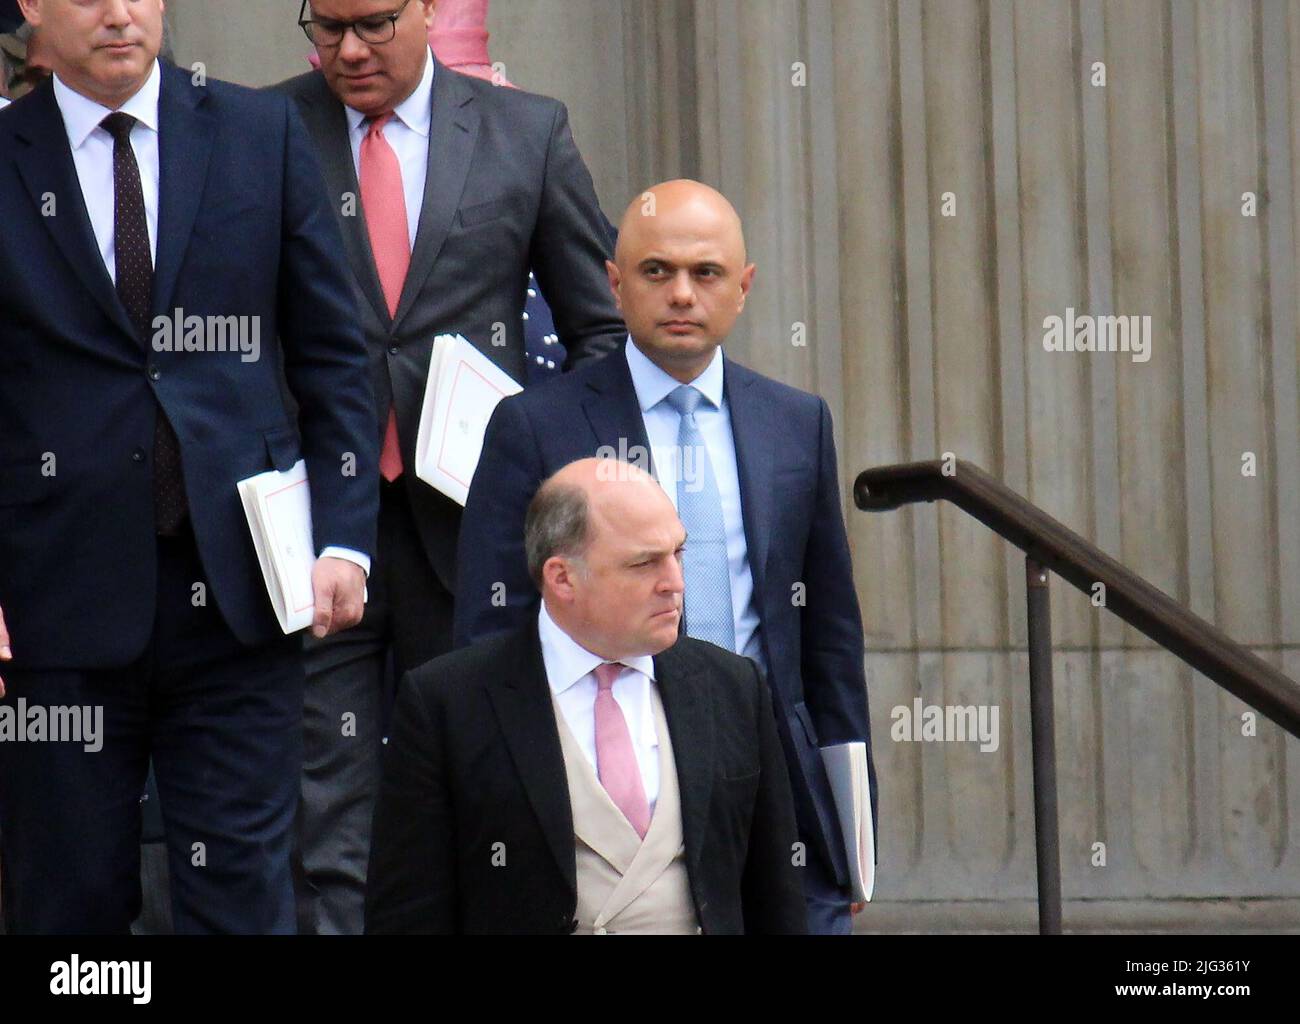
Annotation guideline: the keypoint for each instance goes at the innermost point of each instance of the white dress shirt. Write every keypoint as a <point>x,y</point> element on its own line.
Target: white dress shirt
<point>92,155</point>
<point>408,135</point>
<point>570,671</point>
<point>713,417</point>
<point>3,103</point>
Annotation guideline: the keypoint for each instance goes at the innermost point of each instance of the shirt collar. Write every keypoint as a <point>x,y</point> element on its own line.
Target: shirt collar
<point>82,115</point>
<point>653,384</point>
<point>416,111</point>
<point>568,662</point>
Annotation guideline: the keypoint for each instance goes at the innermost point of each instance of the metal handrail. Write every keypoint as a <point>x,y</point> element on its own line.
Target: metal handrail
<point>1050,545</point>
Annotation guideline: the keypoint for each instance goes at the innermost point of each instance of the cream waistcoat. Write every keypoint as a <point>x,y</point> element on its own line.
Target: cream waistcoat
<point>626,885</point>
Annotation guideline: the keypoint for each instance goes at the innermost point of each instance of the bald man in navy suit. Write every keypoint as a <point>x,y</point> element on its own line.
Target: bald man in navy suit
<point>751,465</point>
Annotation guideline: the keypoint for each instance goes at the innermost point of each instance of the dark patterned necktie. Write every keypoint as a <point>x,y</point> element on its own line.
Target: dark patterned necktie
<point>134,264</point>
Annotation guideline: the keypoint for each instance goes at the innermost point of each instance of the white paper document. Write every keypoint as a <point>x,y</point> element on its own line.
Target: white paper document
<point>278,507</point>
<point>846,767</point>
<point>463,389</point>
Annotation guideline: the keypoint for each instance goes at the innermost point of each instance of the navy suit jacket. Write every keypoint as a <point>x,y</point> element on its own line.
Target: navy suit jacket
<point>794,530</point>
<point>244,229</point>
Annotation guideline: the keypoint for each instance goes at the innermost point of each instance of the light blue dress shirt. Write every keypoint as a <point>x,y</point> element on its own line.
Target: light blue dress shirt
<point>653,386</point>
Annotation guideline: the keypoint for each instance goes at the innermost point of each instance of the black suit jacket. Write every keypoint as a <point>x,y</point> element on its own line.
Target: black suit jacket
<point>244,230</point>
<point>794,530</point>
<point>474,761</point>
<point>507,191</point>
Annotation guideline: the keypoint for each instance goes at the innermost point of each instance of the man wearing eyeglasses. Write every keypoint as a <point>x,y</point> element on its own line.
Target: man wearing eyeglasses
<point>448,189</point>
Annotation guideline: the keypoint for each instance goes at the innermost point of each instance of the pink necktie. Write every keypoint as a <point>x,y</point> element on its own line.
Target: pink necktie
<point>384,202</point>
<point>615,759</point>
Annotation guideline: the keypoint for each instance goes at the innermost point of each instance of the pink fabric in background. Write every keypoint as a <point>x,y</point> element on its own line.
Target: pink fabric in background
<point>459,38</point>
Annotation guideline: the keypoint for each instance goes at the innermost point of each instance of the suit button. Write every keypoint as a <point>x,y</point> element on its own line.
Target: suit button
<point>137,455</point>
<point>392,350</point>
<point>154,373</point>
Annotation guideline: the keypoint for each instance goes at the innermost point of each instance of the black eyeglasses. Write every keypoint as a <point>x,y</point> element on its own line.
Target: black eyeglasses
<point>375,30</point>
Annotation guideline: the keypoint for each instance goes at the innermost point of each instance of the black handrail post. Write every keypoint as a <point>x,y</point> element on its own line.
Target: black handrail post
<point>1047,839</point>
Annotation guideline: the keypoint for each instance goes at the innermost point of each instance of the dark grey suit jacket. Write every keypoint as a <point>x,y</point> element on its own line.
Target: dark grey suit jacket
<point>507,191</point>
<point>475,761</point>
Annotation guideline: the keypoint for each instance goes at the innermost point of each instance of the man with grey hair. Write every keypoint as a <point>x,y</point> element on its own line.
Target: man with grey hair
<point>592,771</point>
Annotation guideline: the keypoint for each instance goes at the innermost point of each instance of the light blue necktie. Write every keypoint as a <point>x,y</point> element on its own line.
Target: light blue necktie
<point>699,506</point>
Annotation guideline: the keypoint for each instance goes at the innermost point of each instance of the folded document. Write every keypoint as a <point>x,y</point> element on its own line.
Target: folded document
<point>278,507</point>
<point>846,767</point>
<point>463,389</point>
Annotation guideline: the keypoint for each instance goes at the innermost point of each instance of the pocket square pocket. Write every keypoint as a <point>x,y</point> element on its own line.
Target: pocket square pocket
<point>228,213</point>
<point>493,209</point>
<point>228,204</point>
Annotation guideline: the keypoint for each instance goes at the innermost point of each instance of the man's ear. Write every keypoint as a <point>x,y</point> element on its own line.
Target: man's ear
<point>557,577</point>
<point>430,8</point>
<point>615,281</point>
<point>31,10</point>
<point>746,283</point>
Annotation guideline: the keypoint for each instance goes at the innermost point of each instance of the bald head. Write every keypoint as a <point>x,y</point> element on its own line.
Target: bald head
<point>675,209</point>
<point>603,543</point>
<point>612,488</point>
<point>680,274</point>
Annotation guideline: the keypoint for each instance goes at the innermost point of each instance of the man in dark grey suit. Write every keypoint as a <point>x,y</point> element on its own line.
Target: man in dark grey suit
<point>448,190</point>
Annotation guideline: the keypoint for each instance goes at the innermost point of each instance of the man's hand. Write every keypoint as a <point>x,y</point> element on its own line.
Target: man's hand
<point>5,653</point>
<point>339,588</point>
<point>857,908</point>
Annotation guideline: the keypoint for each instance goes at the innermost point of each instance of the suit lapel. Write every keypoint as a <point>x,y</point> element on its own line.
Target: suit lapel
<point>453,131</point>
<point>47,170</point>
<point>612,409</point>
<point>688,708</point>
<point>184,145</point>
<point>754,431</point>
<point>522,702</point>
<point>327,122</point>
